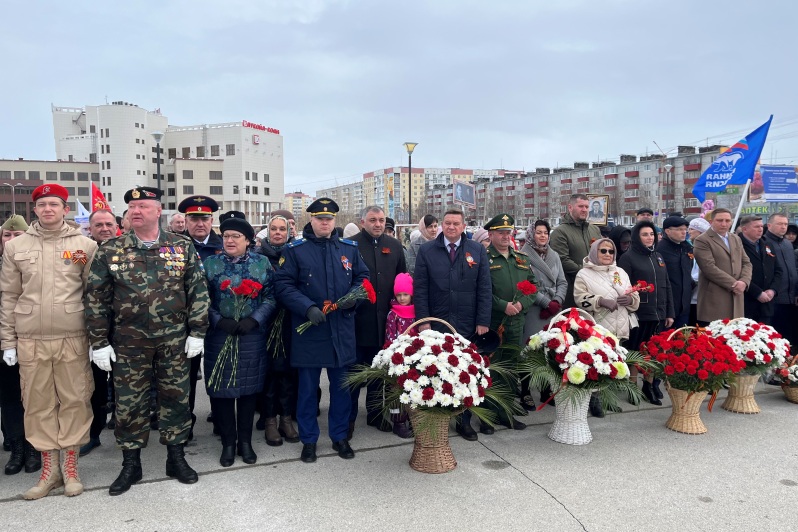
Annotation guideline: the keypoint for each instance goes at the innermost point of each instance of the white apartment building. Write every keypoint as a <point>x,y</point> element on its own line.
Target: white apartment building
<point>240,164</point>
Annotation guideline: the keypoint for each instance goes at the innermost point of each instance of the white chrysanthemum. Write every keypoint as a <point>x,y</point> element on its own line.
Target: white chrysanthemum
<point>415,395</point>
<point>404,399</point>
<point>423,380</point>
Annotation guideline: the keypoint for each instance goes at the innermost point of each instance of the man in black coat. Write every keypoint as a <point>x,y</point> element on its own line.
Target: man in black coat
<point>678,256</point>
<point>766,272</point>
<point>784,309</point>
<point>385,259</point>
<point>452,282</point>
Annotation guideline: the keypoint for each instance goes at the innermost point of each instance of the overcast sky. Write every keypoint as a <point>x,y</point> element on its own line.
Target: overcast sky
<point>488,84</point>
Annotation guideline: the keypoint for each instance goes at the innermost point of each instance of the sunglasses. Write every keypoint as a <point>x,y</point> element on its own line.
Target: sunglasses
<point>605,251</point>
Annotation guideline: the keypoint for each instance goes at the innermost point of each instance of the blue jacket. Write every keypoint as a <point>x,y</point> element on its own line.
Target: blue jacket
<point>314,270</point>
<point>214,246</point>
<point>253,360</point>
<point>459,292</point>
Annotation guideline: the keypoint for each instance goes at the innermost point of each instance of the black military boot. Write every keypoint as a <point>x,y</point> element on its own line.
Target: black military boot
<point>130,474</point>
<point>17,458</point>
<point>595,406</point>
<point>33,458</point>
<point>176,466</point>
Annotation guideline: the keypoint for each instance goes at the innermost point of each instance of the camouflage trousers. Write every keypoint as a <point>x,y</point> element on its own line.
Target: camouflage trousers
<point>136,360</point>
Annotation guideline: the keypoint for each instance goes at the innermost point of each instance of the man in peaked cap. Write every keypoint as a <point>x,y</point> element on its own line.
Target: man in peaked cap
<point>331,267</point>
<point>48,275</point>
<point>199,227</point>
<point>508,267</point>
<point>148,287</point>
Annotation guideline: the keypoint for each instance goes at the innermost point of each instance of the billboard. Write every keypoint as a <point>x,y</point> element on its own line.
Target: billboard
<point>464,194</point>
<point>774,183</point>
<point>389,191</point>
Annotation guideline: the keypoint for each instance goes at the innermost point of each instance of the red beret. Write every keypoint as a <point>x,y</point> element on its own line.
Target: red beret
<point>48,190</point>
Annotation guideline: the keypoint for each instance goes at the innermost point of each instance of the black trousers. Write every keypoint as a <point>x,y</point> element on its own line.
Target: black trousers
<point>11,409</point>
<point>99,401</point>
<point>193,372</point>
<point>234,418</point>
<point>279,393</point>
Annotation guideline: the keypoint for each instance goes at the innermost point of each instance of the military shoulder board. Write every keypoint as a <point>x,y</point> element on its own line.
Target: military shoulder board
<point>296,242</point>
<point>347,241</point>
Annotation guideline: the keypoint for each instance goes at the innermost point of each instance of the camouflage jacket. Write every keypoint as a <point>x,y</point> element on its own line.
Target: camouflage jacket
<point>146,292</point>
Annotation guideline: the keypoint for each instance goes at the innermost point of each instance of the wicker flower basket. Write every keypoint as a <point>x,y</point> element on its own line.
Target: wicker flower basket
<point>571,426</point>
<point>741,395</point>
<point>791,392</point>
<point>686,406</point>
<point>431,452</point>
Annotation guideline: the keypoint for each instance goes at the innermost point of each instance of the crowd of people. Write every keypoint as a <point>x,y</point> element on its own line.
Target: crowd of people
<point>127,321</point>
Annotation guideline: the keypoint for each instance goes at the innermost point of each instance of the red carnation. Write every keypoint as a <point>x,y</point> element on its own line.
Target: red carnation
<point>397,359</point>
<point>486,361</point>
<point>448,339</point>
<point>431,370</point>
<point>526,288</point>
<point>489,382</point>
<point>611,341</point>
<point>613,372</point>
<point>413,374</point>
<point>560,358</point>
<point>453,361</point>
<point>449,348</point>
<point>553,344</point>
<point>670,371</point>
<point>702,374</point>
<point>585,358</point>
<point>472,369</point>
<point>370,293</point>
<point>413,333</point>
<point>427,393</point>
<point>771,346</point>
<point>436,349</point>
<point>767,358</point>
<point>465,378</point>
<point>592,374</point>
<point>468,402</point>
<point>679,367</point>
<point>225,284</point>
<point>410,351</point>
<point>480,391</point>
<point>476,358</point>
<point>447,388</point>
<point>418,343</point>
<point>401,380</point>
<point>583,332</point>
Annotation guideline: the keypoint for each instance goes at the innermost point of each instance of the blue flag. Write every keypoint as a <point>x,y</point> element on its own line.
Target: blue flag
<point>733,167</point>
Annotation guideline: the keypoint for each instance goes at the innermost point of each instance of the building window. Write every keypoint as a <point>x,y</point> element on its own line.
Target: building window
<point>102,148</point>
<point>217,191</point>
<point>95,176</point>
<point>170,191</point>
<point>246,176</point>
<point>200,151</point>
<point>266,191</point>
<point>246,189</point>
<point>254,190</point>
<point>83,176</point>
<point>235,189</point>
<point>172,206</point>
<point>51,176</point>
<point>188,174</point>
<point>70,190</point>
<point>93,158</point>
<point>215,175</point>
<point>108,165</point>
<point>172,153</point>
<point>108,197</point>
<point>109,181</point>
<point>137,124</point>
<point>188,189</point>
<point>138,172</point>
<point>34,175</point>
<point>137,141</point>
<point>83,191</point>
<point>170,178</point>
<point>92,129</point>
<point>19,174</point>
<point>154,148</point>
<point>5,174</point>
<point>254,176</point>
<point>101,133</point>
<point>231,149</point>
<point>265,178</point>
<point>67,176</point>
<point>107,133</point>
<point>215,150</point>
<point>186,153</point>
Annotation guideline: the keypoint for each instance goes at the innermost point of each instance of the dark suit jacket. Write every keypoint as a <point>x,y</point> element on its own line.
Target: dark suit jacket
<point>765,275</point>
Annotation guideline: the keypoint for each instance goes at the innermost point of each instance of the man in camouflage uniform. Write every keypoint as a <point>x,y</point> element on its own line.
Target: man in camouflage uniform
<point>508,312</point>
<point>149,285</point>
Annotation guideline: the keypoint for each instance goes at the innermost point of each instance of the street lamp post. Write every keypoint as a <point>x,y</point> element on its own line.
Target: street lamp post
<point>410,146</point>
<point>13,192</point>
<point>158,136</point>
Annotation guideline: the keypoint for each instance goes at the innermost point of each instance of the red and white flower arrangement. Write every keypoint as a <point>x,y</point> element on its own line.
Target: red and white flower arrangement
<point>760,346</point>
<point>575,353</point>
<point>789,374</point>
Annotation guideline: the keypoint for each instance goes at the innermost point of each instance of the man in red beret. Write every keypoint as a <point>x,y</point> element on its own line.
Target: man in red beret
<point>42,282</point>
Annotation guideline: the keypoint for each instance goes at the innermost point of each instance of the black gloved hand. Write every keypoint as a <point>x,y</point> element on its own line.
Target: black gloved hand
<point>316,316</point>
<point>228,325</point>
<point>348,304</point>
<point>246,325</point>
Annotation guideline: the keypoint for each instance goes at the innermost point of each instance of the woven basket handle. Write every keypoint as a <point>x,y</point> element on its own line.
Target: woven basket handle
<point>568,310</point>
<point>686,328</point>
<point>425,320</point>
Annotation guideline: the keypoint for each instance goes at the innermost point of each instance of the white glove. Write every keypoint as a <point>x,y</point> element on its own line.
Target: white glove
<point>194,346</point>
<point>103,357</point>
<point>10,356</point>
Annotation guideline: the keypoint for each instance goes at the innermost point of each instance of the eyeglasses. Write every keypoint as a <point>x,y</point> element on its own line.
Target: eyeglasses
<point>605,251</point>
<point>232,237</point>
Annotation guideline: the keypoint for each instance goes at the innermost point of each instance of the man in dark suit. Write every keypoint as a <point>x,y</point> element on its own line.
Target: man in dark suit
<point>452,282</point>
<point>678,256</point>
<point>385,259</point>
<point>765,271</point>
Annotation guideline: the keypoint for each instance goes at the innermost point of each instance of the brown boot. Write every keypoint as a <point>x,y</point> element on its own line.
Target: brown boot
<point>50,478</point>
<point>273,438</point>
<point>69,468</point>
<point>287,429</point>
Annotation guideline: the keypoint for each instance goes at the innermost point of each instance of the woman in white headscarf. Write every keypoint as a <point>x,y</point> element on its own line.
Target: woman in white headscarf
<point>427,230</point>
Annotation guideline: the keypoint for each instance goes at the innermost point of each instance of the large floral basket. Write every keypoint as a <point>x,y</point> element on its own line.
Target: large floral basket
<point>685,417</point>
<point>789,379</point>
<point>576,357</point>
<point>761,347</point>
<point>434,376</point>
<point>791,393</point>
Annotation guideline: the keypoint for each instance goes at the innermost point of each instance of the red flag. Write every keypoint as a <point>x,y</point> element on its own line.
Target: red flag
<point>98,200</point>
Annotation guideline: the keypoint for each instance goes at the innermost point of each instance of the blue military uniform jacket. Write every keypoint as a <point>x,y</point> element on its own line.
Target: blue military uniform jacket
<point>214,246</point>
<point>311,271</point>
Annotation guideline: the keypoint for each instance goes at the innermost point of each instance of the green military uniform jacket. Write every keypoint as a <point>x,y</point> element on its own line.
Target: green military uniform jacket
<point>505,274</point>
<point>146,292</point>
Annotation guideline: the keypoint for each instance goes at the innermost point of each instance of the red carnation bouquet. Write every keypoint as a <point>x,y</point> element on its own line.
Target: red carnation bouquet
<point>692,360</point>
<point>640,286</point>
<point>364,291</point>
<point>248,289</point>
<point>523,288</point>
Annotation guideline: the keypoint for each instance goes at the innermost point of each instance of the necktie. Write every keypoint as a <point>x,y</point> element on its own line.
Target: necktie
<point>452,252</point>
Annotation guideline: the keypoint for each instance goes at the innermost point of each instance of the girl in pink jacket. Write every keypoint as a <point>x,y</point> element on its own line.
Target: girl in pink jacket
<point>400,317</point>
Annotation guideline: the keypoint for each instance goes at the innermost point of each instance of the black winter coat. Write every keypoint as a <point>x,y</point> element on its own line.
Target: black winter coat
<point>385,259</point>
<point>766,274</point>
<point>214,246</point>
<point>787,289</point>
<point>461,292</point>
<point>644,264</point>
<point>279,360</point>
<point>679,263</point>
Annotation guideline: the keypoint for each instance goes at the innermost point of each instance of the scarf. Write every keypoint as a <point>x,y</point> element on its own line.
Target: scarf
<point>404,311</point>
